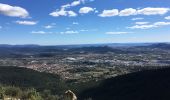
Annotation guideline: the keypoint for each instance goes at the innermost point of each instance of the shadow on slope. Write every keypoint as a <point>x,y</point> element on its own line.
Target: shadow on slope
<point>144,85</point>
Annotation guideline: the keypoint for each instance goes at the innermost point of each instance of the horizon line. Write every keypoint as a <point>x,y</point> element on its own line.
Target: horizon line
<point>85,43</point>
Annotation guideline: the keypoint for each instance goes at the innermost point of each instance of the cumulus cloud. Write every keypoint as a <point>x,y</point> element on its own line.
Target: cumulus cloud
<point>141,23</point>
<point>153,11</point>
<point>85,10</point>
<point>13,11</point>
<point>75,3</point>
<point>26,22</point>
<point>57,13</point>
<point>168,17</point>
<point>148,26</point>
<point>128,12</point>
<point>63,12</point>
<point>117,33</point>
<point>109,13</point>
<point>71,13</point>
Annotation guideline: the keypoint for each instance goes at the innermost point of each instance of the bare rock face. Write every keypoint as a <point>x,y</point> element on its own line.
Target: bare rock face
<point>69,95</point>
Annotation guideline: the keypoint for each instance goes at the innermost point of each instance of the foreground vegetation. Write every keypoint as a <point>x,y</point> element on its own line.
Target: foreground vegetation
<point>143,85</point>
<point>26,84</point>
<point>14,93</point>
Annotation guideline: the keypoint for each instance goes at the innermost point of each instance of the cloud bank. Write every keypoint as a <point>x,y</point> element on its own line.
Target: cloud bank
<point>131,11</point>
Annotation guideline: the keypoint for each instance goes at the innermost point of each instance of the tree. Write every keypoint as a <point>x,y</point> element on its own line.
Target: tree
<point>34,95</point>
<point>2,92</point>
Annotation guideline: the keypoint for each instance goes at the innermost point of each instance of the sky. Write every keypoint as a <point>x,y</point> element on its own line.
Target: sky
<point>59,22</point>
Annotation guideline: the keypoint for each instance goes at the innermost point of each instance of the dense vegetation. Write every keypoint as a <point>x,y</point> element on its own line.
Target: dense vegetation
<point>144,85</point>
<point>28,84</point>
<point>27,78</point>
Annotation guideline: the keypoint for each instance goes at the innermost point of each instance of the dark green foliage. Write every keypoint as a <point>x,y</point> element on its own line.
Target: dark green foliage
<point>33,85</point>
<point>27,78</point>
<point>145,85</point>
<point>25,94</point>
<point>13,92</point>
<point>33,95</point>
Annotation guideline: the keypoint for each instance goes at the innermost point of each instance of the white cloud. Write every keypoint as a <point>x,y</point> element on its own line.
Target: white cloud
<point>109,13</point>
<point>117,33</point>
<point>168,17</point>
<point>71,14</point>
<point>161,23</point>
<point>131,11</point>
<point>148,26</point>
<point>63,12</point>
<point>75,23</point>
<point>57,13</point>
<point>66,6</point>
<point>13,11</point>
<point>141,27</point>
<point>153,11</point>
<point>83,30</point>
<point>52,25</point>
<point>26,22</point>
<point>128,12</point>
<point>48,26</point>
<point>137,18</point>
<point>141,23</point>
<point>69,32</point>
<point>85,10</point>
<point>40,32</point>
<point>75,3</point>
<point>96,11</point>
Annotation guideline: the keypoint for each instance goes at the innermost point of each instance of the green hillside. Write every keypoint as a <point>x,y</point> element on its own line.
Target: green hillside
<point>27,78</point>
<point>144,85</point>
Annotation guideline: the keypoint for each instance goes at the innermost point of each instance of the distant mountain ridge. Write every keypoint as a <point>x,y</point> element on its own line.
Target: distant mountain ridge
<point>80,45</point>
<point>161,45</point>
<point>49,51</point>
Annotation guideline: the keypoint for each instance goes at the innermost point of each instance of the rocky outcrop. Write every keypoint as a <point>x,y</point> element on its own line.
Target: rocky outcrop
<point>69,95</point>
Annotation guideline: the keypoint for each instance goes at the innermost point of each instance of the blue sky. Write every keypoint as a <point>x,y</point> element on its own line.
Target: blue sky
<point>56,22</point>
